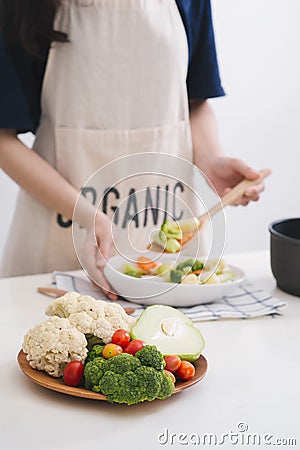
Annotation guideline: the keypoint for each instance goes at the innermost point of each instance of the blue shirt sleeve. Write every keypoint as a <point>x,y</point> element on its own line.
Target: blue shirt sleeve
<point>20,86</point>
<point>203,80</point>
<point>21,75</point>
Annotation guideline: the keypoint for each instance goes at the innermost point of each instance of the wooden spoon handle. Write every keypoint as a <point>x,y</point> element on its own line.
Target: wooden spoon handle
<point>53,292</point>
<point>237,192</point>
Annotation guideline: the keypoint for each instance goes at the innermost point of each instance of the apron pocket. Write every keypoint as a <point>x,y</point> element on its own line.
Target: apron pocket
<point>81,152</point>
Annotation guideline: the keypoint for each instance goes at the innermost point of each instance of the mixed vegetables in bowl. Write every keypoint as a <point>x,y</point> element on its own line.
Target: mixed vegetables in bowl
<point>187,271</point>
<point>179,282</point>
<point>172,236</point>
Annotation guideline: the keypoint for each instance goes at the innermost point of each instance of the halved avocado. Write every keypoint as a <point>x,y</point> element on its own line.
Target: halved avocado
<point>171,331</point>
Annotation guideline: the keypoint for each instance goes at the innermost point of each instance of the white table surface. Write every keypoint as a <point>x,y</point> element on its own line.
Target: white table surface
<point>253,378</point>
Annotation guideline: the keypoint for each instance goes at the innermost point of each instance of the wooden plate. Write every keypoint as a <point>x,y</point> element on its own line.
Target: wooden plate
<point>57,384</point>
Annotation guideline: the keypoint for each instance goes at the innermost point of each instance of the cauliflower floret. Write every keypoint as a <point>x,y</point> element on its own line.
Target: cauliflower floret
<point>81,310</point>
<point>209,278</point>
<point>115,317</point>
<point>92,317</point>
<point>87,313</point>
<point>190,279</point>
<point>64,306</point>
<point>52,344</point>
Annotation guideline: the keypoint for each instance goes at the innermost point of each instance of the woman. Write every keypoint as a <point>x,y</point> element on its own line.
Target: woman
<point>121,77</point>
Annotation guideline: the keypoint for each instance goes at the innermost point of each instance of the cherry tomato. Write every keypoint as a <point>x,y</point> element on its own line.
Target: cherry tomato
<point>121,337</point>
<point>171,375</point>
<point>134,346</point>
<point>186,371</point>
<point>172,363</point>
<point>73,373</point>
<point>111,350</point>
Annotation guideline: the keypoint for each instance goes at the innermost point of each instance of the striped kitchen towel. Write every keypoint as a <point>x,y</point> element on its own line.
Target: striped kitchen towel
<point>244,302</point>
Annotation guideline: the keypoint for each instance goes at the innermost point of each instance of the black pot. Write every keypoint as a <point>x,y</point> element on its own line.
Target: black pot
<point>285,254</point>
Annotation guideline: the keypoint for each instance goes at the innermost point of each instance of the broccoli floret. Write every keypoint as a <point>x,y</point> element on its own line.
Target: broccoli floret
<point>93,371</point>
<point>98,349</point>
<point>176,276</point>
<point>129,379</point>
<point>96,352</point>
<point>186,263</point>
<point>198,265</point>
<point>150,356</point>
<point>149,381</point>
<point>131,390</point>
<point>110,383</point>
<point>122,363</point>
<point>166,386</point>
<point>133,387</point>
<point>90,356</point>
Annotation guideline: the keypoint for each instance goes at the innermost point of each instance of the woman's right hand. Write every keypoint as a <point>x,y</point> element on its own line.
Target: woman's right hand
<point>97,249</point>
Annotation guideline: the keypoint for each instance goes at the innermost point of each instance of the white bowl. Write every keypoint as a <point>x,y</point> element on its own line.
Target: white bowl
<point>150,290</point>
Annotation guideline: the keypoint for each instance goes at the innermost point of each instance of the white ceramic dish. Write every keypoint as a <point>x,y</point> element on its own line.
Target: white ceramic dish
<point>154,290</point>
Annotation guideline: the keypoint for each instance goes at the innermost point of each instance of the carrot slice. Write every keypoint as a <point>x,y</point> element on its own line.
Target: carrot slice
<point>197,272</point>
<point>146,263</point>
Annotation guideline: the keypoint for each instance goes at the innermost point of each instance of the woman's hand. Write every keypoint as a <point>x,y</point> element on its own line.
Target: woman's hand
<point>225,173</point>
<point>97,250</point>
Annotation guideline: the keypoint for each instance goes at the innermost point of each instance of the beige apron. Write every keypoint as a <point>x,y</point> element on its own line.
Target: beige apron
<point>117,88</point>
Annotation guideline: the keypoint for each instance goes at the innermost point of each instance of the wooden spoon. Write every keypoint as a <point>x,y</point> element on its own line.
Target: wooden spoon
<point>197,223</point>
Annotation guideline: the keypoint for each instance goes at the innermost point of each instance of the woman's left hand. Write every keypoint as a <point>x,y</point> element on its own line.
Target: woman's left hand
<point>225,173</point>
<point>96,251</point>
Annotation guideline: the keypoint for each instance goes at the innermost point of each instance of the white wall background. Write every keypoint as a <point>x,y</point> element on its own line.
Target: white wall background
<point>258,44</point>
